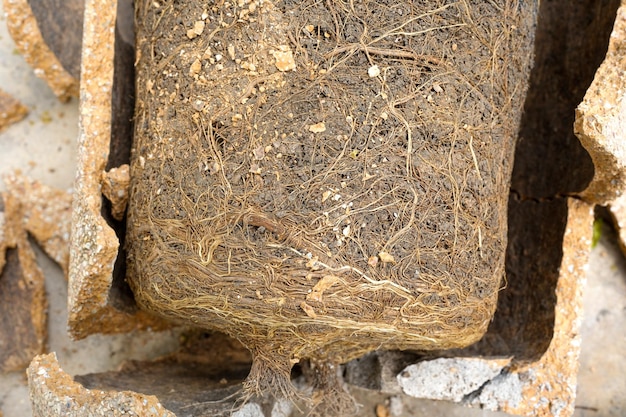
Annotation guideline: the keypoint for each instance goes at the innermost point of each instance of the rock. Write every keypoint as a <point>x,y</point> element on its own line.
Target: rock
<point>601,124</point>
<point>249,410</point>
<point>11,110</point>
<point>54,393</point>
<point>115,183</point>
<point>450,379</point>
<point>24,28</point>
<point>601,120</point>
<point>61,25</point>
<point>503,390</point>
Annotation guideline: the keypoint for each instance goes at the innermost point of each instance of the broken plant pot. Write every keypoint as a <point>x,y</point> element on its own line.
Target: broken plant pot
<point>537,341</point>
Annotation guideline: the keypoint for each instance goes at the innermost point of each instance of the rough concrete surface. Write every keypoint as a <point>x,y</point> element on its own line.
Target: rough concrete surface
<point>54,393</point>
<point>24,28</point>
<point>617,208</point>
<point>95,245</point>
<point>601,119</point>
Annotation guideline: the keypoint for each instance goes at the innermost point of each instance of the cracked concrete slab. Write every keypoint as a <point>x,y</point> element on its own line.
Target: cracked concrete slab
<point>94,306</point>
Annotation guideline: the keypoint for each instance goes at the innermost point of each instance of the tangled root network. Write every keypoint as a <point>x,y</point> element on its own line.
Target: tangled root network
<point>324,178</point>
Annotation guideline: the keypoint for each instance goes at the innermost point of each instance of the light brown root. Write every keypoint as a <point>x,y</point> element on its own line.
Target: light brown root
<point>330,395</point>
<point>270,375</point>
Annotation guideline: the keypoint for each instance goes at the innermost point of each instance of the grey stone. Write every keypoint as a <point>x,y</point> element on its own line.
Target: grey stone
<point>503,389</point>
<point>448,379</point>
<point>249,410</point>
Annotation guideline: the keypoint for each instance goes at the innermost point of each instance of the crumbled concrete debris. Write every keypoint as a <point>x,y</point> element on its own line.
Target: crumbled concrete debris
<point>504,389</point>
<point>601,120</point>
<point>46,215</point>
<point>449,379</point>
<point>11,110</point>
<point>280,409</point>
<point>115,184</point>
<point>54,393</point>
<point>24,30</point>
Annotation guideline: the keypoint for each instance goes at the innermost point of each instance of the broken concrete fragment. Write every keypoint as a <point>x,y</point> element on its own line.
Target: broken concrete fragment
<point>11,110</point>
<point>504,390</point>
<point>93,306</point>
<point>61,26</point>
<point>601,120</point>
<point>23,302</point>
<point>54,393</point>
<point>204,378</point>
<point>115,183</point>
<point>24,29</point>
<point>548,385</point>
<point>451,379</point>
<point>46,215</point>
<point>22,310</point>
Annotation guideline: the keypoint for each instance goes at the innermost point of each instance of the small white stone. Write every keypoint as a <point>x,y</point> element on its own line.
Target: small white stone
<point>373,71</point>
